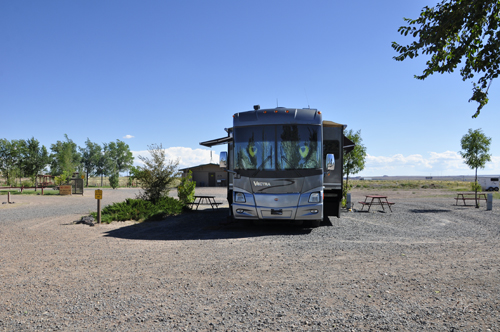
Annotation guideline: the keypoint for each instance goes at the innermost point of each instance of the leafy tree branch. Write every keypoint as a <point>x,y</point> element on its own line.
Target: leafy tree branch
<point>453,33</point>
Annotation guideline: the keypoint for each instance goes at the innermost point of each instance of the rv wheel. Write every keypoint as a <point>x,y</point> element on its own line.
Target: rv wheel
<point>496,189</point>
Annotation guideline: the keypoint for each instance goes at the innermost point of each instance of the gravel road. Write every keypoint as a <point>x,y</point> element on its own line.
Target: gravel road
<point>427,266</point>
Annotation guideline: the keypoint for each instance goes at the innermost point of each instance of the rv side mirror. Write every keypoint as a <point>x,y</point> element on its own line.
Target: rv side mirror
<point>330,162</point>
<point>223,159</point>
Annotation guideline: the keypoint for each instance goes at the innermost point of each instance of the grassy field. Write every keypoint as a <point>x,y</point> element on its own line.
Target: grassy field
<point>450,186</point>
<point>29,192</point>
<point>412,184</point>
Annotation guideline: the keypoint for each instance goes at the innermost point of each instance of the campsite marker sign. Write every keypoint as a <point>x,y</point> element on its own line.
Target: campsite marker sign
<point>98,196</point>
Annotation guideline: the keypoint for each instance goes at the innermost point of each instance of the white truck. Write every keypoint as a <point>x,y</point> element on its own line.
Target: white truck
<point>488,183</point>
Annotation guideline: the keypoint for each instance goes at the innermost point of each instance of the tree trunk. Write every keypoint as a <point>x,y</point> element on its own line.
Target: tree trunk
<point>475,189</point>
<point>347,183</point>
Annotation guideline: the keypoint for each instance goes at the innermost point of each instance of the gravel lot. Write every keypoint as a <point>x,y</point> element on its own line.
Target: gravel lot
<point>428,266</point>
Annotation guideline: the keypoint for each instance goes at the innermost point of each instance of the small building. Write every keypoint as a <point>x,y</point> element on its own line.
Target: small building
<point>207,175</point>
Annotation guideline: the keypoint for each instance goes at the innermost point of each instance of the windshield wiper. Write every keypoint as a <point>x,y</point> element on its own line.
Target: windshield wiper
<point>261,167</point>
<point>293,169</point>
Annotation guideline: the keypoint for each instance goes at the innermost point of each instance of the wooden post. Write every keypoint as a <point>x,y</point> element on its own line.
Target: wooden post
<point>98,196</point>
<point>99,211</point>
<point>8,197</point>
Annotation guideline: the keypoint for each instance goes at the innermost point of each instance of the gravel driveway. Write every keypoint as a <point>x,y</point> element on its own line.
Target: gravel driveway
<point>428,266</point>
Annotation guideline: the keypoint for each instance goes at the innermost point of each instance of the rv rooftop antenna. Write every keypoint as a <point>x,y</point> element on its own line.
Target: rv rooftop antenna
<point>307,98</point>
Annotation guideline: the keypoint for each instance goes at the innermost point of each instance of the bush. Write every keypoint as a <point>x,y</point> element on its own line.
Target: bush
<point>345,190</point>
<point>140,210</point>
<point>114,180</point>
<point>185,190</point>
<point>27,184</point>
<point>157,174</point>
<point>474,186</point>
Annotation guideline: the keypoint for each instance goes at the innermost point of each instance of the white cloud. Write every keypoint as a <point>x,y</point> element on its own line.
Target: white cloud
<point>128,136</point>
<point>187,157</point>
<point>434,163</point>
<point>445,163</point>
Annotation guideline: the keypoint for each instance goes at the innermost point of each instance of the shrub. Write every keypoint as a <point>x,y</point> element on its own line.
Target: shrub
<point>27,184</point>
<point>186,189</point>
<point>63,178</point>
<point>140,210</point>
<point>474,186</point>
<point>157,175</point>
<point>345,190</point>
<point>114,180</point>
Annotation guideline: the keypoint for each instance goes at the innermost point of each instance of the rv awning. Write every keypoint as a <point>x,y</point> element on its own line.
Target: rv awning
<point>327,123</point>
<point>217,141</point>
<point>348,145</point>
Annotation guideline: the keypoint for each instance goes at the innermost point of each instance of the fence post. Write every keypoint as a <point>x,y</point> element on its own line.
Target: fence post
<point>489,202</point>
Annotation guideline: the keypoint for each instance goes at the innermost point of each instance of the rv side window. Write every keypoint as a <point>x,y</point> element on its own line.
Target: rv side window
<point>333,147</point>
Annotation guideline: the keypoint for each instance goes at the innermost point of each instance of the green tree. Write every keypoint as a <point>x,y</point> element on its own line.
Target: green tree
<point>135,173</point>
<point>186,188</point>
<point>91,155</point>
<point>455,32</point>
<point>117,158</point>
<point>10,157</point>
<point>34,158</point>
<point>157,174</point>
<point>475,148</point>
<point>102,162</point>
<point>354,161</point>
<point>65,158</point>
<point>120,157</point>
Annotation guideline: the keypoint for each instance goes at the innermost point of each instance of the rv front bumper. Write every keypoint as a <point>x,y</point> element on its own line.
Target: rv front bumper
<point>304,212</point>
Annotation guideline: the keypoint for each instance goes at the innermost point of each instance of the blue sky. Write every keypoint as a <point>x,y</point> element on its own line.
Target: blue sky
<point>174,72</point>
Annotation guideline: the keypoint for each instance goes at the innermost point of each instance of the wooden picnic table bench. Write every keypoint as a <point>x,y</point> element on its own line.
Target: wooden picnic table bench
<point>205,200</point>
<point>376,200</point>
<point>469,197</point>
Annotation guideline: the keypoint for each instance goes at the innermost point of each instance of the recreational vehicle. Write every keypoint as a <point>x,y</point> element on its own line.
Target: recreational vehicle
<point>283,164</point>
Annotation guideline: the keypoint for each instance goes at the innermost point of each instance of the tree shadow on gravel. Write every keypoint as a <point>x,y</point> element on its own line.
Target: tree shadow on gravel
<point>202,225</point>
<point>428,211</point>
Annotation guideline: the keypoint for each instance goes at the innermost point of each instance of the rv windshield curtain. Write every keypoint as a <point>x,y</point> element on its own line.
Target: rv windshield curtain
<point>282,147</point>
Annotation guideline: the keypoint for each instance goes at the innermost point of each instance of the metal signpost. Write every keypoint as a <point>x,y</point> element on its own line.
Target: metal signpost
<point>98,196</point>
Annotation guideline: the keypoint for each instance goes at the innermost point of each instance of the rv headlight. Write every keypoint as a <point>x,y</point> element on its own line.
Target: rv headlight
<point>239,198</point>
<point>314,198</point>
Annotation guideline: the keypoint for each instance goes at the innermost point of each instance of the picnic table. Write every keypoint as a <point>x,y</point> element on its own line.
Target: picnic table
<point>205,200</point>
<point>376,200</point>
<point>468,197</point>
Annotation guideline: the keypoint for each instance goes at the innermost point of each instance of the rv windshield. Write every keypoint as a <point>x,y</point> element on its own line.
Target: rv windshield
<point>282,147</point>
